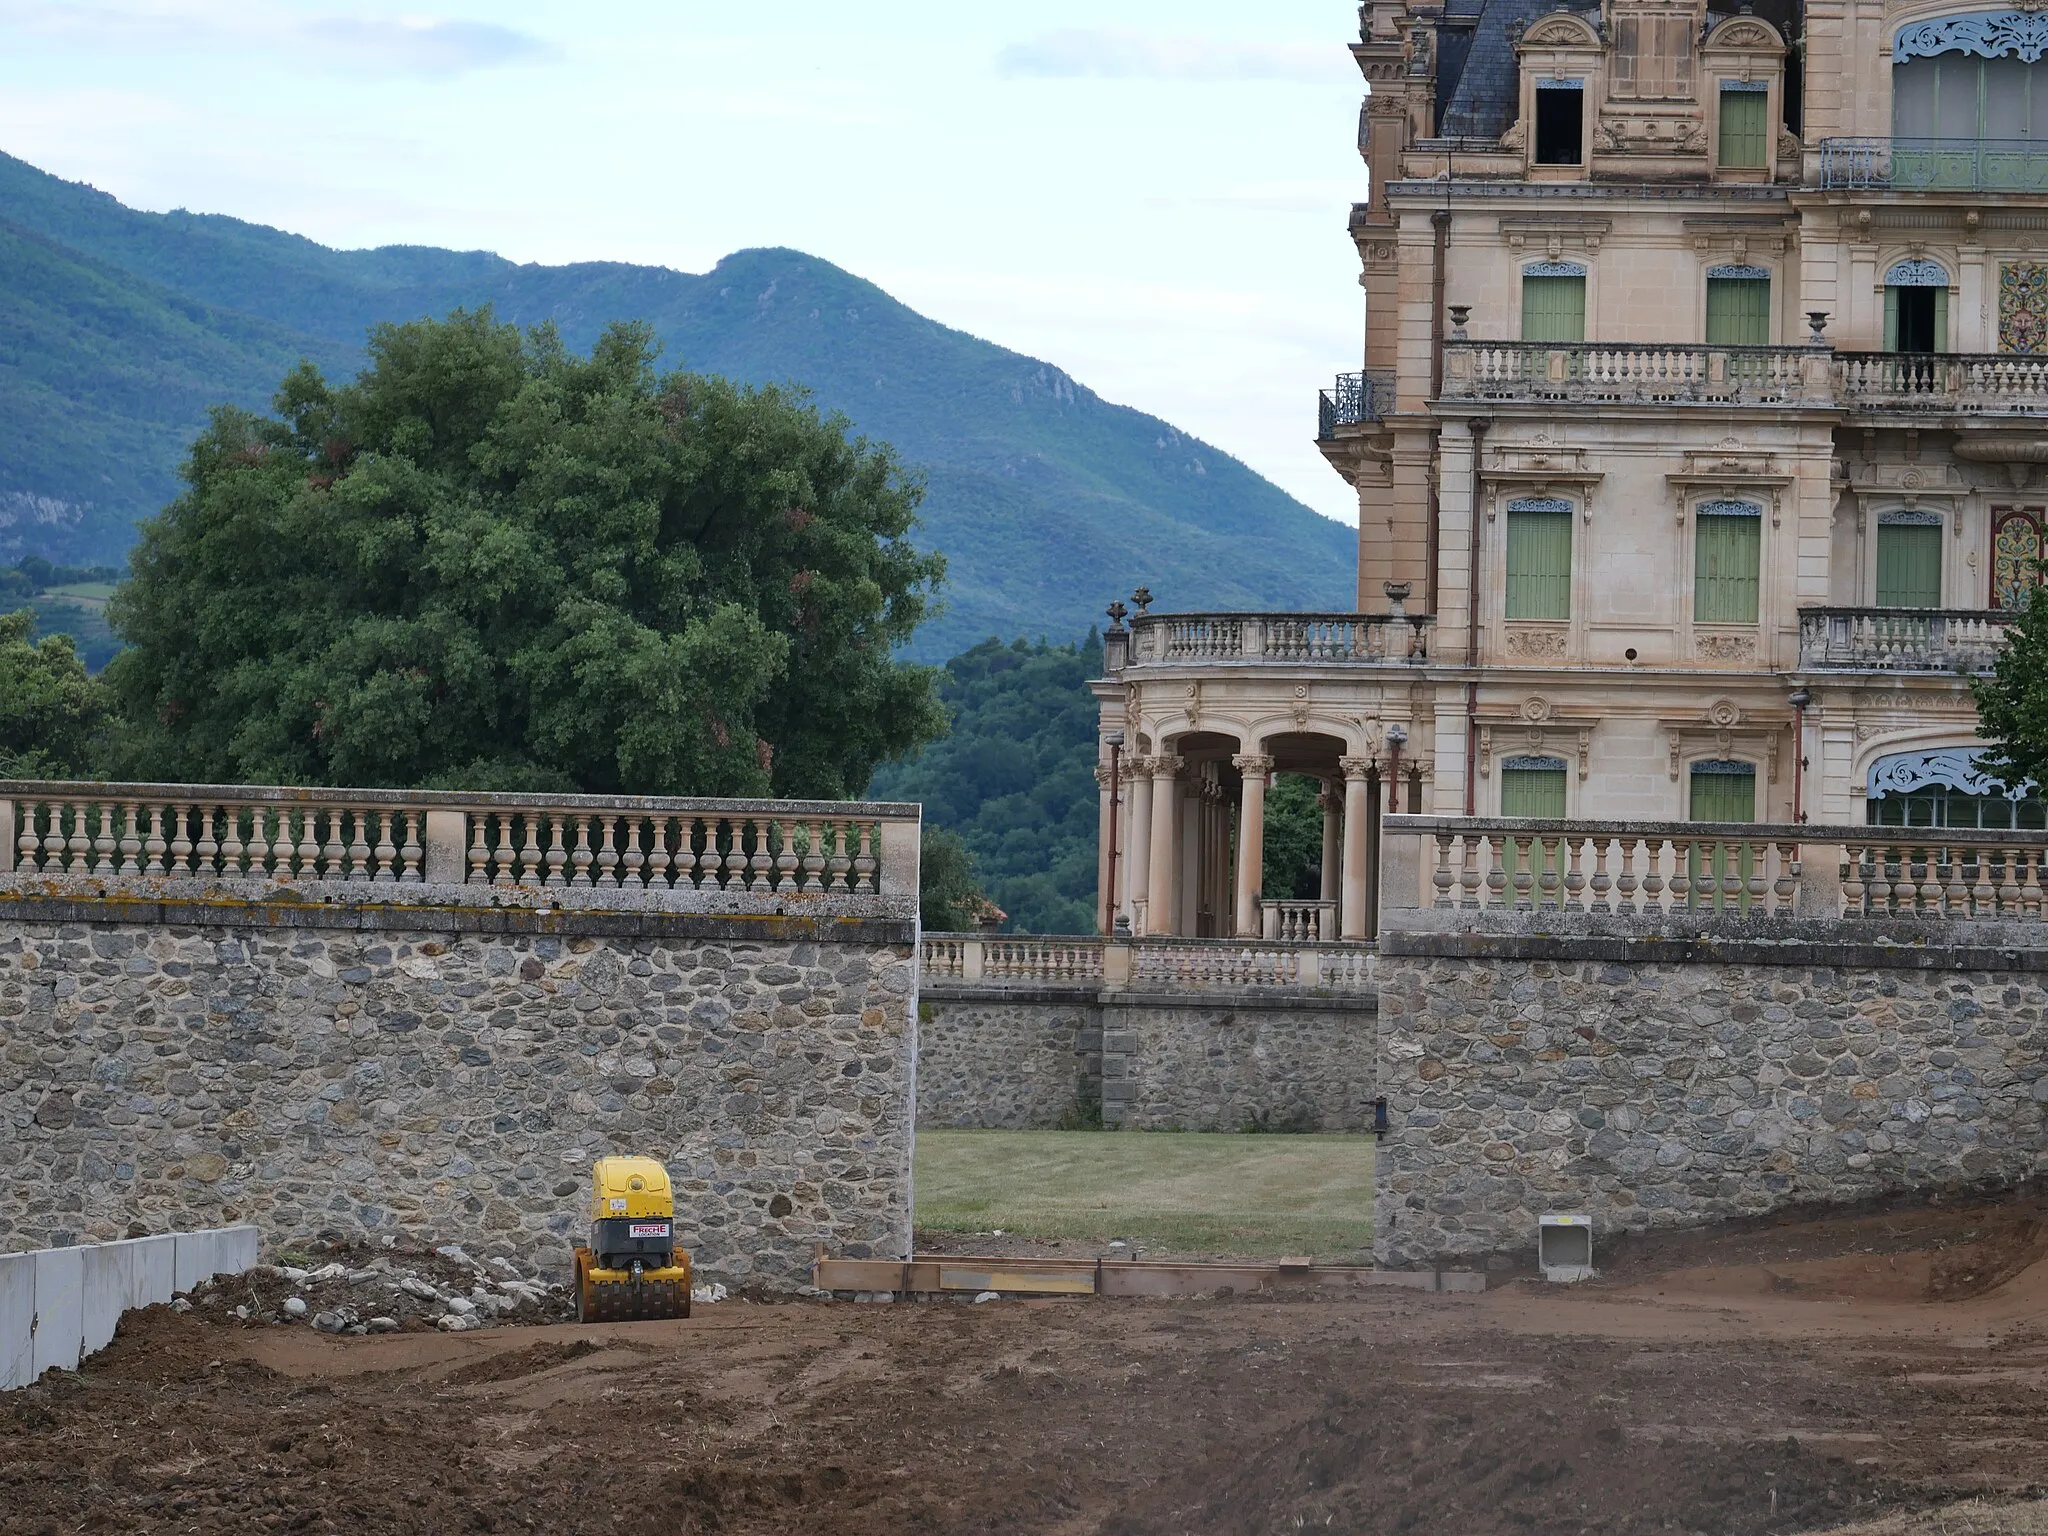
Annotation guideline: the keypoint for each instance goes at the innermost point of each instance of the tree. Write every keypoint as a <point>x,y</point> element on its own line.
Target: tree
<point>2012,703</point>
<point>50,709</point>
<point>1294,840</point>
<point>488,563</point>
<point>949,899</point>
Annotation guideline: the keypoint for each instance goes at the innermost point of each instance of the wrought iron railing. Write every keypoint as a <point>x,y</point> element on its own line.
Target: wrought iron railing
<point>1354,400</point>
<point>1927,164</point>
<point>1959,640</point>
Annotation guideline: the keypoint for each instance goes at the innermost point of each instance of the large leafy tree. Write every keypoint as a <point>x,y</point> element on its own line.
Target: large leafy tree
<point>489,563</point>
<point>2012,703</point>
<point>51,711</point>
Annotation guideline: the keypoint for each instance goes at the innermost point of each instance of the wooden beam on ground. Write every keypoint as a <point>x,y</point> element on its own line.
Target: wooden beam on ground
<point>929,1274</point>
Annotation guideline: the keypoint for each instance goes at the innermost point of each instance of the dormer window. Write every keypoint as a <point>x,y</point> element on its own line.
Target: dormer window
<point>1560,122</point>
<point>1746,136</point>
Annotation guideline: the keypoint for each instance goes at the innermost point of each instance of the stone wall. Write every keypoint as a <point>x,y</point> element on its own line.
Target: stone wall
<point>1008,1057</point>
<point>1552,1062</point>
<point>446,1063</point>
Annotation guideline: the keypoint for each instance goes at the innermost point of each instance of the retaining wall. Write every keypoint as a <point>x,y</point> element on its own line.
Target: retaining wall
<point>446,1061</point>
<point>61,1304</point>
<point>1556,1061</point>
<point>1017,1057</point>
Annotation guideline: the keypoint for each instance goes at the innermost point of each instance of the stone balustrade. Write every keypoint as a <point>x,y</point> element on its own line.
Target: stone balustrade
<point>1636,373</point>
<point>1960,640</point>
<point>1685,870</point>
<point>1206,639</point>
<point>583,845</point>
<point>1301,922</point>
<point>1987,383</point>
<point>1155,964</point>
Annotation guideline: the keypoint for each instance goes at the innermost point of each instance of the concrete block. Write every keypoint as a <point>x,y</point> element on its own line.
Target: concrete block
<point>1461,1280</point>
<point>156,1262</point>
<point>17,1319</point>
<point>60,1309</point>
<point>216,1251</point>
<point>107,1274</point>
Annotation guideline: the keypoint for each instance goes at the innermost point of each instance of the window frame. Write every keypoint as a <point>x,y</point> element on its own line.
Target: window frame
<point>1712,513</point>
<point>1901,518</point>
<point>1520,511</point>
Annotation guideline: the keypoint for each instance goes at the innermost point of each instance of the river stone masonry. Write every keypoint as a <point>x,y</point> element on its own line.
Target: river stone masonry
<point>1660,1084</point>
<point>435,1071</point>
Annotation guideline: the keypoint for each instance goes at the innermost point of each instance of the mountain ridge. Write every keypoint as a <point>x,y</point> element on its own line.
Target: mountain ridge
<point>1047,499</point>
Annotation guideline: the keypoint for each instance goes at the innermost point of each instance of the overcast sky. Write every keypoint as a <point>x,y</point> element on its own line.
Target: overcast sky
<point>1150,195</point>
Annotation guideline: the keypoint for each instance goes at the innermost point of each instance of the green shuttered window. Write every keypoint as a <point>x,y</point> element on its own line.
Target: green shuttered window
<point>1533,787</point>
<point>1726,557</point>
<point>1553,309</point>
<point>1539,564</point>
<point>1723,792</point>
<point>1909,565</point>
<point>1745,129</point>
<point>1738,311</point>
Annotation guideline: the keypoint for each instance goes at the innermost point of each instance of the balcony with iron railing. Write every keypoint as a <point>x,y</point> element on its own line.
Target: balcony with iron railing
<point>1963,641</point>
<point>1934,165</point>
<point>1290,639</point>
<point>1355,400</point>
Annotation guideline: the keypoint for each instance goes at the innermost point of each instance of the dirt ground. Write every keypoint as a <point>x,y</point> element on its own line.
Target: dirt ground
<point>1885,1371</point>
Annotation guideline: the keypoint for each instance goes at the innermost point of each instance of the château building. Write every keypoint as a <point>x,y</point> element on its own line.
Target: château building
<point>1699,448</point>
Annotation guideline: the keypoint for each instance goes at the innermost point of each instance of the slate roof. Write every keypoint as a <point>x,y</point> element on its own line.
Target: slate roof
<point>1479,87</point>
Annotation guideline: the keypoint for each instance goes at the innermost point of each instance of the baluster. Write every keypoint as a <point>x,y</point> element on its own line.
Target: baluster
<point>368,860</point>
<point>1759,855</point>
<point>814,857</point>
<point>2030,883</point>
<point>1626,883</point>
<point>1574,880</point>
<point>1684,854</point>
<point>1468,870</point>
<point>580,858</point>
<point>1927,876</point>
<point>1975,883</point>
<point>340,853</point>
<point>558,854</point>
<point>131,839</point>
<point>1855,895</point>
<point>479,850</point>
<point>1443,879</point>
<point>28,844</point>
<point>414,827</point>
<point>103,839</point>
<point>153,842</point>
<point>502,856</point>
<point>839,862</point>
<point>1884,885</point>
<point>1731,856</point>
<point>1785,889</point>
<point>690,873</point>
<point>531,831</point>
<point>760,862</point>
<point>1653,876</point>
<point>1497,873</point>
<point>1602,881</point>
<point>635,858</point>
<point>206,851</point>
<point>786,861</point>
<point>658,858</point>
<point>57,837</point>
<point>1525,877</point>
<point>608,854</point>
<point>864,861</point>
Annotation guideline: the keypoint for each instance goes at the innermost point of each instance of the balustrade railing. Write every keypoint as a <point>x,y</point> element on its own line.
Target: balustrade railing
<point>1959,640</point>
<point>1173,964</point>
<point>1354,400</point>
<point>1934,164</point>
<point>1339,638</point>
<point>1684,870</point>
<point>1984,383</point>
<point>173,832</point>
<point>1301,922</point>
<point>1636,373</point>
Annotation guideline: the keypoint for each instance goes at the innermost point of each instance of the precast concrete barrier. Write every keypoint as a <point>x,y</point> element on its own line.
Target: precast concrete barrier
<point>58,1305</point>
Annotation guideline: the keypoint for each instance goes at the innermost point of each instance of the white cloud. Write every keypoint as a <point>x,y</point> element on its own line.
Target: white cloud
<point>406,45</point>
<point>1107,53</point>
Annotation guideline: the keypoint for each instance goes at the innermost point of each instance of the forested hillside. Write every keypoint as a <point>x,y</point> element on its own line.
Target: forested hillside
<point>118,329</point>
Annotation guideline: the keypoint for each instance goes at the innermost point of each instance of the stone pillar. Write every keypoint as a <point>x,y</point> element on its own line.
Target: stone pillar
<point>1251,840</point>
<point>1137,858</point>
<point>1332,802</point>
<point>1357,792</point>
<point>1159,877</point>
<point>1105,839</point>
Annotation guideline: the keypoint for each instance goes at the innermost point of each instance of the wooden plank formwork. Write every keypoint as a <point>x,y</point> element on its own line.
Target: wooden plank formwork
<point>933,1274</point>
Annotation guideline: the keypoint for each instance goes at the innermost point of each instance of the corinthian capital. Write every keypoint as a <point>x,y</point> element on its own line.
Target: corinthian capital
<point>1252,762</point>
<point>1359,768</point>
<point>1166,765</point>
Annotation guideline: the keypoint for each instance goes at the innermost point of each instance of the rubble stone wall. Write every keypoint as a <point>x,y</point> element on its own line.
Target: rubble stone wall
<point>1660,1083</point>
<point>996,1056</point>
<point>449,1074</point>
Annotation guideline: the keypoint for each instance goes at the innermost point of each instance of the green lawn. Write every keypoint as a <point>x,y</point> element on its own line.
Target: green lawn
<point>1183,1193</point>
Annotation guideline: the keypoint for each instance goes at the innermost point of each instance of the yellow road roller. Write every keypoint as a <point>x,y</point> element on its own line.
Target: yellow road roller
<point>632,1269</point>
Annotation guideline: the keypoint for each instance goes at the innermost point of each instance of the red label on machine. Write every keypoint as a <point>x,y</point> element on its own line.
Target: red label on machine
<point>648,1229</point>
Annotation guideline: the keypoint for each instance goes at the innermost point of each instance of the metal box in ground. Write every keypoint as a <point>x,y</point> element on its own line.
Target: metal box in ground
<point>1564,1245</point>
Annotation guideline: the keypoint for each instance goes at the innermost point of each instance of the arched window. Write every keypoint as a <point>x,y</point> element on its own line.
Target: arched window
<point>1738,306</point>
<point>1970,101</point>
<point>1727,554</point>
<point>1916,307</point>
<point>1553,301</point>
<point>2017,547</point>
<point>1946,787</point>
<point>1539,558</point>
<point>1909,559</point>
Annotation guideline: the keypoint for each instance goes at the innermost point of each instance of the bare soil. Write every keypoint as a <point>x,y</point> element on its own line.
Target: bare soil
<point>1884,1370</point>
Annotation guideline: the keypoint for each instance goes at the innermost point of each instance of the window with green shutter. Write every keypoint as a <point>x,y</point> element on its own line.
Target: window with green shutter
<point>1727,549</point>
<point>1738,307</point>
<point>1721,791</point>
<point>1554,302</point>
<point>1539,563</point>
<point>1532,787</point>
<point>1909,561</point>
<point>1916,306</point>
<point>1745,127</point>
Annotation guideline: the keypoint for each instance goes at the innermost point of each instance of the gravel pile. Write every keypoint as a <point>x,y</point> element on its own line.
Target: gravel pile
<point>355,1289</point>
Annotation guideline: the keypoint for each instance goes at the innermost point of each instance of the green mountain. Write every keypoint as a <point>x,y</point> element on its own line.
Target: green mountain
<point>119,328</point>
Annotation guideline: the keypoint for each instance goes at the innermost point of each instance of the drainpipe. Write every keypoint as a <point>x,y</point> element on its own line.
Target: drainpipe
<point>1440,226</point>
<point>1477,427</point>
<point>1800,700</point>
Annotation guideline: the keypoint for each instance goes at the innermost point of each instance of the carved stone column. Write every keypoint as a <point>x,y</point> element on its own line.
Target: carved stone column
<point>1161,874</point>
<point>1353,909</point>
<point>1105,839</point>
<point>1251,841</point>
<point>1138,858</point>
<point>1331,799</point>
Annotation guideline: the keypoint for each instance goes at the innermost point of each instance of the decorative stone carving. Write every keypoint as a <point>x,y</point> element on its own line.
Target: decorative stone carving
<point>1535,708</point>
<point>1960,768</point>
<point>1359,768</point>
<point>1726,647</point>
<point>1536,644</point>
<point>1743,34</point>
<point>1988,34</point>
<point>1789,146</point>
<point>1560,30</point>
<point>1724,712</point>
<point>1251,762</point>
